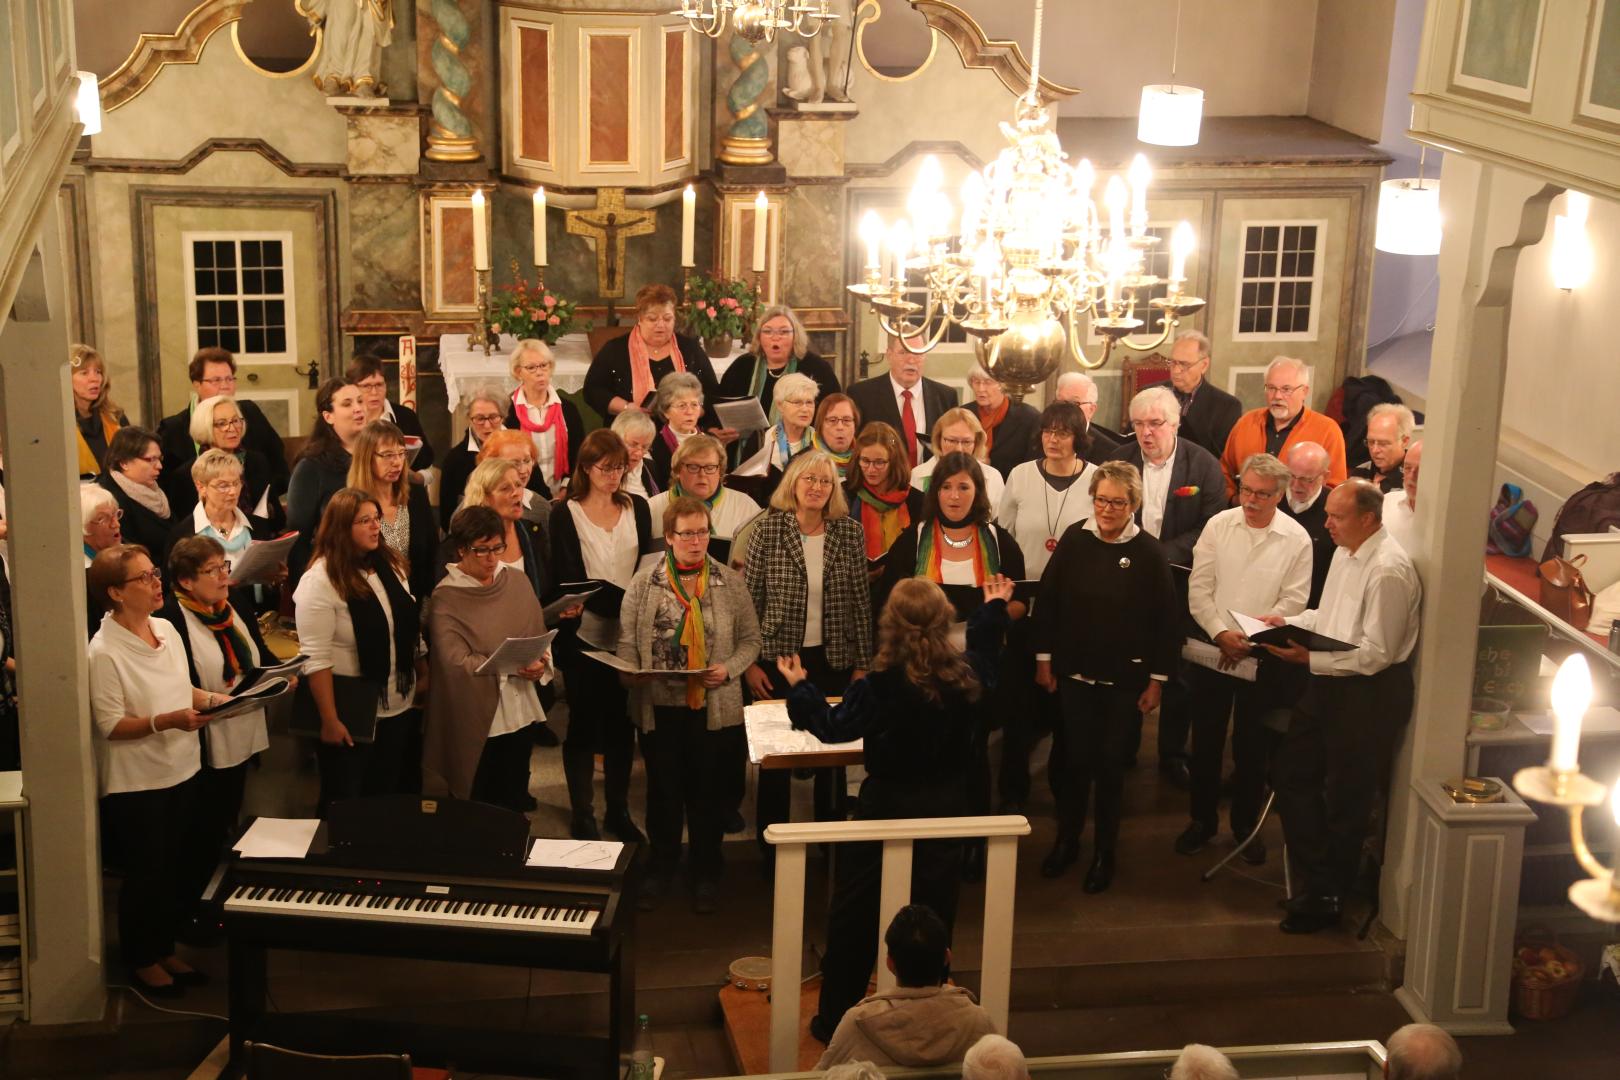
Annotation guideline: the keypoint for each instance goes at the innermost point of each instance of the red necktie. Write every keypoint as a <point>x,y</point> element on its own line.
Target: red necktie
<point>908,426</point>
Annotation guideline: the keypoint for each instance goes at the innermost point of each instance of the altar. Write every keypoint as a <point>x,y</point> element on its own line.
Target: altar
<point>467,370</point>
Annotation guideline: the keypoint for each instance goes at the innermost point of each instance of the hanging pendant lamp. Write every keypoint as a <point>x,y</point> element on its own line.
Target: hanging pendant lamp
<point>1171,114</point>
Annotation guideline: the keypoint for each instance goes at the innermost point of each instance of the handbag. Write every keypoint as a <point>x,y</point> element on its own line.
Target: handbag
<point>356,700</point>
<point>1564,591</point>
<point>1511,522</point>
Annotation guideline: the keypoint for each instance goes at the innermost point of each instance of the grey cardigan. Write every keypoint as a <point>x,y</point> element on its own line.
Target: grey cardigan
<point>728,621</point>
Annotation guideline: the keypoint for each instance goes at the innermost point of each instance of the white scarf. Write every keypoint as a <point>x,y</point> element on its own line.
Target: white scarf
<point>148,495</point>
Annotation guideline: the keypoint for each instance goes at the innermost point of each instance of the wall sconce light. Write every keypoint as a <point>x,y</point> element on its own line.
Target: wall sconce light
<point>87,103</point>
<point>1572,249</point>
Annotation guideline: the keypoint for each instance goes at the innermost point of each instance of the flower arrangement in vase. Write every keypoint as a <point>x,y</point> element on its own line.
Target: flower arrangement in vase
<point>527,310</point>
<point>717,310</point>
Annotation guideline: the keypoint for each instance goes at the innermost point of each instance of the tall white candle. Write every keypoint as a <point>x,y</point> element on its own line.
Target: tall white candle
<point>1114,197</point>
<point>761,213</point>
<point>1571,694</point>
<point>872,236</point>
<point>480,233</point>
<point>1139,174</point>
<point>540,227</point>
<point>1181,245</point>
<point>688,226</point>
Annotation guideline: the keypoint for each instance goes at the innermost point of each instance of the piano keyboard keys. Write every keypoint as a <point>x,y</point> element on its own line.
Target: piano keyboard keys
<point>565,918</point>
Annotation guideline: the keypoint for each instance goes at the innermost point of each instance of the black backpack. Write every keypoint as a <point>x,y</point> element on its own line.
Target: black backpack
<point>1590,510</point>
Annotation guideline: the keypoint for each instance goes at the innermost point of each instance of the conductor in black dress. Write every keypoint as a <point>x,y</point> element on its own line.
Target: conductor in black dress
<point>624,373</point>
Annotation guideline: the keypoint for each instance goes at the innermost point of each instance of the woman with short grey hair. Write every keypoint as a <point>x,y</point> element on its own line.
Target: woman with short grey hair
<point>679,405</point>
<point>780,347</point>
<point>487,409</point>
<point>637,430</point>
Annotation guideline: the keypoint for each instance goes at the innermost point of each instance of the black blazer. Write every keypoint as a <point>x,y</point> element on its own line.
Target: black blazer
<point>174,436</point>
<point>875,399</point>
<point>1209,419</point>
<point>572,423</point>
<point>1018,438</point>
<point>141,526</point>
<point>901,562</point>
<point>609,376</point>
<point>1103,444</point>
<point>1314,518</point>
<point>1184,515</point>
<point>315,480</point>
<point>409,423</point>
<point>1132,631</point>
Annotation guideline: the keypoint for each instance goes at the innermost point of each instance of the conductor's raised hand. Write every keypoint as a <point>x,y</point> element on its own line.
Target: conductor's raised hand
<point>998,587</point>
<point>792,669</point>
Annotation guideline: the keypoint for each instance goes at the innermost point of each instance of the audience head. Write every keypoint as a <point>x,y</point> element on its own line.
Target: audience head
<point>988,393</point>
<point>212,372</point>
<point>217,476</point>
<point>1307,471</point>
<point>479,536</point>
<point>837,420</point>
<point>880,459</point>
<point>1389,433</point>
<point>496,482</point>
<point>637,431</point>
<point>198,569</point>
<point>218,421</point>
<point>680,401</point>
<point>366,372</point>
<point>91,384</point>
<point>958,429</point>
<point>795,400</point>
<point>136,453</point>
<point>1287,387</point>
<point>340,414</point>
<point>381,462</point>
<point>779,336</point>
<point>124,581</point>
<point>916,942</point>
<point>1078,388</point>
<point>956,492</point>
<point>1262,483</point>
<point>1355,510</point>
<point>655,315</point>
<point>1189,360</point>
<point>994,1057</point>
<point>810,485</point>
<point>532,365</point>
<point>905,366</point>
<point>603,460</point>
<point>1116,493</point>
<point>699,466</point>
<point>1064,434</point>
<point>686,527</point>
<point>486,412</point>
<point>1422,1052</point>
<point>1200,1062</point>
<point>515,446</point>
<point>101,516</point>
<point>1156,417</point>
<point>1409,472</point>
<point>853,1070</point>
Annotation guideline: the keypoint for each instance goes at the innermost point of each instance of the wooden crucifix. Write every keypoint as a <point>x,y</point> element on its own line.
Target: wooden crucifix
<point>605,228</point>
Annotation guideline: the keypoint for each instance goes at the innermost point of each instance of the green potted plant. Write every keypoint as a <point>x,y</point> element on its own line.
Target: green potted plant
<point>527,310</point>
<point>718,310</point>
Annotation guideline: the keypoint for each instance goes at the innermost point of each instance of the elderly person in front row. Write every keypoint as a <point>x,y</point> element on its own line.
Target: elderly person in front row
<point>1335,759</point>
<point>1199,1062</point>
<point>994,1057</point>
<point>544,415</point>
<point>688,612</point>
<point>1105,671</point>
<point>680,405</point>
<point>959,430</point>
<point>1422,1052</point>
<point>145,711</point>
<point>486,413</point>
<point>1254,561</point>
<point>475,742</point>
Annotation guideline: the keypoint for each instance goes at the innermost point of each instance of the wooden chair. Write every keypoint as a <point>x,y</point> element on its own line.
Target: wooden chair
<point>1137,373</point>
<point>267,1062</point>
<point>601,335</point>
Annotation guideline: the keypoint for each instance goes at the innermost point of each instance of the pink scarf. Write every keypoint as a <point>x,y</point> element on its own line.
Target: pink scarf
<point>553,423</point>
<point>641,380</point>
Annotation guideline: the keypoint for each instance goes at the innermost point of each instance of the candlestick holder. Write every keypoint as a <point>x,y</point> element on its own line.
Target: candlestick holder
<point>1599,895</point>
<point>484,336</point>
<point>540,277</point>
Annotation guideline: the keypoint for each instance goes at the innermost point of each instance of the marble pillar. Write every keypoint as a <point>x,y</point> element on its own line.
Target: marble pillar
<point>448,35</point>
<point>382,140</point>
<point>385,247</point>
<point>747,140</point>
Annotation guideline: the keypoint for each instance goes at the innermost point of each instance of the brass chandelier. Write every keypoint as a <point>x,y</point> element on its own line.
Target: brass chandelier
<point>1031,255</point>
<point>757,20</point>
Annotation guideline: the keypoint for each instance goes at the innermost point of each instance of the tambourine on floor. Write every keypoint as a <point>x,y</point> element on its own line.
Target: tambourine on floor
<point>748,1022</point>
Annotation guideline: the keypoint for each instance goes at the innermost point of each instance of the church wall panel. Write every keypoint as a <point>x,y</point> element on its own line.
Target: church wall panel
<point>534,95</point>
<point>609,93</point>
<point>677,137</point>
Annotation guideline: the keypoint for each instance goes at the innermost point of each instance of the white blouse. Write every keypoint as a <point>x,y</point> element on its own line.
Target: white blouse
<point>130,678</point>
<point>815,563</point>
<point>609,555</point>
<point>326,632</point>
<point>235,739</point>
<point>1034,512</point>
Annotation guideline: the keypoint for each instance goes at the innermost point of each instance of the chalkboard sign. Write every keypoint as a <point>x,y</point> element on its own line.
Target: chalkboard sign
<point>1507,662</point>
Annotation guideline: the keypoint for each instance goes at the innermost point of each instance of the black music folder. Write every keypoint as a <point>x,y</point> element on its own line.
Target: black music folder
<point>1281,636</point>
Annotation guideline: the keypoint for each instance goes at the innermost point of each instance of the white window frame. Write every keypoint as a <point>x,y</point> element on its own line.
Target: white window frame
<point>287,357</point>
<point>1147,333</point>
<point>1315,279</point>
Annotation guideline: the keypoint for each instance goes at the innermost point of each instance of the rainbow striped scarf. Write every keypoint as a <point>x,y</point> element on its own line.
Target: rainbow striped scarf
<point>931,550</point>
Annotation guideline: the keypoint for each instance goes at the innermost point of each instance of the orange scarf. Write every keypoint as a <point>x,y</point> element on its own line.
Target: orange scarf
<point>988,421</point>
<point>641,380</point>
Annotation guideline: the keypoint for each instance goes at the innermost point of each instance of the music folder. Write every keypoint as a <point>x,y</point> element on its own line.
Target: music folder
<point>967,599</point>
<point>1260,633</point>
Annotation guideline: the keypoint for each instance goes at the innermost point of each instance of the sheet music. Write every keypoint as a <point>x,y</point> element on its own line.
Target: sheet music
<point>771,733</point>
<point>758,465</point>
<point>612,660</point>
<point>744,416</point>
<point>515,653</point>
<point>258,564</point>
<point>575,854</point>
<point>261,694</point>
<point>278,838</point>
<point>1207,655</point>
<point>564,602</point>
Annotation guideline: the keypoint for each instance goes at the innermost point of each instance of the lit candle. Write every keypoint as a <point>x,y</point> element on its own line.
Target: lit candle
<point>688,226</point>
<point>1571,694</point>
<point>1114,198</point>
<point>1181,245</point>
<point>480,235</point>
<point>899,248</point>
<point>761,209</point>
<point>540,227</point>
<point>1139,174</point>
<point>872,237</point>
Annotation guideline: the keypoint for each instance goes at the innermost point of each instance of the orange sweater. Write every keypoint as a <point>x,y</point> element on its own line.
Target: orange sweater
<point>1249,437</point>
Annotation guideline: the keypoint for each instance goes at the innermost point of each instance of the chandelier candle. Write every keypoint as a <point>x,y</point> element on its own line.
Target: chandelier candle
<point>1182,242</point>
<point>1571,693</point>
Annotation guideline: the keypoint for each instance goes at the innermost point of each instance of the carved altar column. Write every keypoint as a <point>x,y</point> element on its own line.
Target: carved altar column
<point>447,35</point>
<point>747,141</point>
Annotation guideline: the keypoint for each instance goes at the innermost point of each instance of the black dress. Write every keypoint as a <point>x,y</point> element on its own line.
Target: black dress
<point>609,376</point>
<point>739,380</point>
<point>315,479</point>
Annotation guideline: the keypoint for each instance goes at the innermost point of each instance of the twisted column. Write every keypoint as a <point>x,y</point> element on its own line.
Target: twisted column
<point>450,137</point>
<point>747,141</point>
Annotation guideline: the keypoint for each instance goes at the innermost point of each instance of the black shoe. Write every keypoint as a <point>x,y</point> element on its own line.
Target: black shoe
<point>705,897</point>
<point>1101,874</point>
<point>165,991</point>
<point>1064,854</point>
<point>544,736</point>
<point>583,827</point>
<point>652,893</point>
<point>1194,838</point>
<point>973,862</point>
<point>1255,853</point>
<point>735,823</point>
<point>619,824</point>
<point>190,978</point>
<point>820,1029</point>
<point>1312,914</point>
<point>1175,773</point>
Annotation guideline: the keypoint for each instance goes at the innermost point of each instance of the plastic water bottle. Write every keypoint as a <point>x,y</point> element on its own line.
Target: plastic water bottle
<point>641,1053</point>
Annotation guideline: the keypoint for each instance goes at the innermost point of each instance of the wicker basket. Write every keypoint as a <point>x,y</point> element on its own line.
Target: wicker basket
<point>1548,1000</point>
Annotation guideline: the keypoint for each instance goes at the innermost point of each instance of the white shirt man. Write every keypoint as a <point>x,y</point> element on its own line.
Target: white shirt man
<point>1400,505</point>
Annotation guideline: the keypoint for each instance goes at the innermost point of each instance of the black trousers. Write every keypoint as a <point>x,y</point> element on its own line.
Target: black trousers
<point>1175,719</point>
<point>155,834</point>
<point>374,768</point>
<point>772,796</point>
<point>502,778</point>
<point>218,808</point>
<point>1333,769</point>
<point>1214,698</point>
<point>685,766</point>
<point>1027,713</point>
<point>1098,728</point>
<point>852,930</point>
<point>598,723</point>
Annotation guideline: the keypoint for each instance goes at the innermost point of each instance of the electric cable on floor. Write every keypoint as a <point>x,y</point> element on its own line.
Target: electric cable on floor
<point>150,1004</point>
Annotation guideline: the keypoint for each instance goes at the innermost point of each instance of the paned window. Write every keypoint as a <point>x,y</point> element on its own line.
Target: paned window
<point>1280,280</point>
<point>240,296</point>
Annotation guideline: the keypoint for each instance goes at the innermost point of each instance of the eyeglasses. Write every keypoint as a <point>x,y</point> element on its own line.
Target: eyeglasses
<point>1147,425</point>
<point>838,421</point>
<point>874,463</point>
<point>1056,433</point>
<point>108,518</point>
<point>219,380</point>
<point>485,418</point>
<point>533,369</point>
<point>369,519</point>
<point>1245,489</point>
<point>488,550</point>
<point>151,577</point>
<point>777,331</point>
<point>691,534</point>
<point>816,481</point>
<point>1110,504</point>
<point>609,470</point>
<point>966,443</point>
<point>215,570</point>
<point>799,401</point>
<point>700,470</point>
<point>685,403</point>
<point>1273,388</point>
<point>151,459</point>
<point>376,385</point>
<point>225,485</point>
<point>393,455</point>
<point>1184,365</point>
<point>226,425</point>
